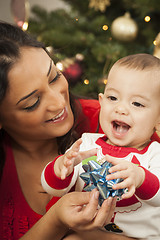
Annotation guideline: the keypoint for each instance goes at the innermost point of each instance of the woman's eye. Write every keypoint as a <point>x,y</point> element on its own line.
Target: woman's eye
<point>112,98</point>
<point>33,106</point>
<point>56,77</point>
<point>137,104</point>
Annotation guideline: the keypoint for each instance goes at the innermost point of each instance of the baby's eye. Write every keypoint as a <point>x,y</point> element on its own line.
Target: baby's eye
<point>112,98</point>
<point>137,104</point>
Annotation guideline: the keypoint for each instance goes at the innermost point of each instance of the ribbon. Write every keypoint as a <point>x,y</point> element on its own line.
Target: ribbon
<point>95,177</point>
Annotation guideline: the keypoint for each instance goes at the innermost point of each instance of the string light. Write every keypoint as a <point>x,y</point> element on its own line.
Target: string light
<point>105,81</point>
<point>22,25</point>
<point>49,49</point>
<point>147,18</point>
<point>25,26</point>
<point>59,65</point>
<point>86,81</point>
<point>105,27</point>
<point>155,42</point>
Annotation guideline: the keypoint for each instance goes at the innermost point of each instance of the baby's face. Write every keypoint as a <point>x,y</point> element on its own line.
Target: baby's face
<point>130,106</point>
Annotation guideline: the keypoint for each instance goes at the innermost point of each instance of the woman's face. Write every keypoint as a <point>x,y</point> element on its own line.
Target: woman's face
<point>36,105</point>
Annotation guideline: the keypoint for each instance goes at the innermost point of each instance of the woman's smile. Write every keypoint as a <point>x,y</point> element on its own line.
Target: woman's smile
<point>59,117</point>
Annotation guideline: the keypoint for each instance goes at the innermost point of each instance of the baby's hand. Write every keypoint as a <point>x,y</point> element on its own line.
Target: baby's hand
<point>70,159</point>
<point>64,165</point>
<point>132,175</point>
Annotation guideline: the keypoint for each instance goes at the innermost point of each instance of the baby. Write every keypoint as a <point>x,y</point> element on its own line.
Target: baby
<point>129,115</point>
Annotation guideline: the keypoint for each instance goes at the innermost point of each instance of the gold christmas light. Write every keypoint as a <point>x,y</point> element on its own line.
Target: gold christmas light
<point>86,81</point>
<point>105,27</point>
<point>147,18</point>
<point>156,42</point>
<point>25,26</point>
<point>105,81</point>
<point>60,66</point>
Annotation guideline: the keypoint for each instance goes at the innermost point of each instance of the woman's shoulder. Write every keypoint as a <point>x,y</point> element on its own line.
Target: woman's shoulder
<point>91,104</point>
<point>90,108</point>
<point>88,119</point>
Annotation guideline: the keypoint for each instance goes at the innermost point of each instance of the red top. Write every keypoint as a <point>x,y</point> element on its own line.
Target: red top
<point>16,216</point>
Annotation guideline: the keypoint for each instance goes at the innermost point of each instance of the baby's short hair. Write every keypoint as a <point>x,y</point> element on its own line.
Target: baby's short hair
<point>140,61</point>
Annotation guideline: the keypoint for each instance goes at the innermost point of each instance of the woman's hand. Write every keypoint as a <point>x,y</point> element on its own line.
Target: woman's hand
<point>132,175</point>
<point>76,210</point>
<point>79,210</point>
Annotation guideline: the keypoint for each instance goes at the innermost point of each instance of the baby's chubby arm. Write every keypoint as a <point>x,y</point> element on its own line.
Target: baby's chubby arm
<point>64,165</point>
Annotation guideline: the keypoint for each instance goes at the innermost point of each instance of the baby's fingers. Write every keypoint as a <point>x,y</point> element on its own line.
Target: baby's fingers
<point>69,158</point>
<point>64,172</point>
<point>68,164</point>
<point>76,145</point>
<point>88,153</point>
<point>129,192</point>
<point>125,184</point>
<point>120,174</point>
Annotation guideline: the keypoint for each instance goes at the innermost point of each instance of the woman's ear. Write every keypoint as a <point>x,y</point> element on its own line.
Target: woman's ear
<point>100,97</point>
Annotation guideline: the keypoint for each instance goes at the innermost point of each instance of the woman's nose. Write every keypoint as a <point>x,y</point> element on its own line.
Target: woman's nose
<point>55,100</point>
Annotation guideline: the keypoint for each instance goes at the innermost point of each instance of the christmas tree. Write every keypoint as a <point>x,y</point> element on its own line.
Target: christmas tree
<point>87,39</point>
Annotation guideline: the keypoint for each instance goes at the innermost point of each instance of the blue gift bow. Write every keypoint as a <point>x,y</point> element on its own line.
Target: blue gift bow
<point>95,177</point>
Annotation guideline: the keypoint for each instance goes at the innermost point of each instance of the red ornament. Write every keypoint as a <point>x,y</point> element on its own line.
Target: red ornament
<point>73,73</point>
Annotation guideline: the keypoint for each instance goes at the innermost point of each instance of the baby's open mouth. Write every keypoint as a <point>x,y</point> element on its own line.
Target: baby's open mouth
<point>120,127</point>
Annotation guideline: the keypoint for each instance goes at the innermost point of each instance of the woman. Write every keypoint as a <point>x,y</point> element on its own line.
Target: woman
<point>38,122</point>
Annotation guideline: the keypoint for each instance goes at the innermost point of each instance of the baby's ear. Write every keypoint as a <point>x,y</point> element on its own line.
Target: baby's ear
<point>157,127</point>
<point>100,97</point>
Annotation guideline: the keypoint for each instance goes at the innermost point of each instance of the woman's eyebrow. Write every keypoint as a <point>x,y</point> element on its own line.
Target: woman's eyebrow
<point>50,67</point>
<point>27,96</point>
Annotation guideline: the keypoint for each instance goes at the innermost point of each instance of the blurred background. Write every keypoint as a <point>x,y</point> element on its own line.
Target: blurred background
<point>86,37</point>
